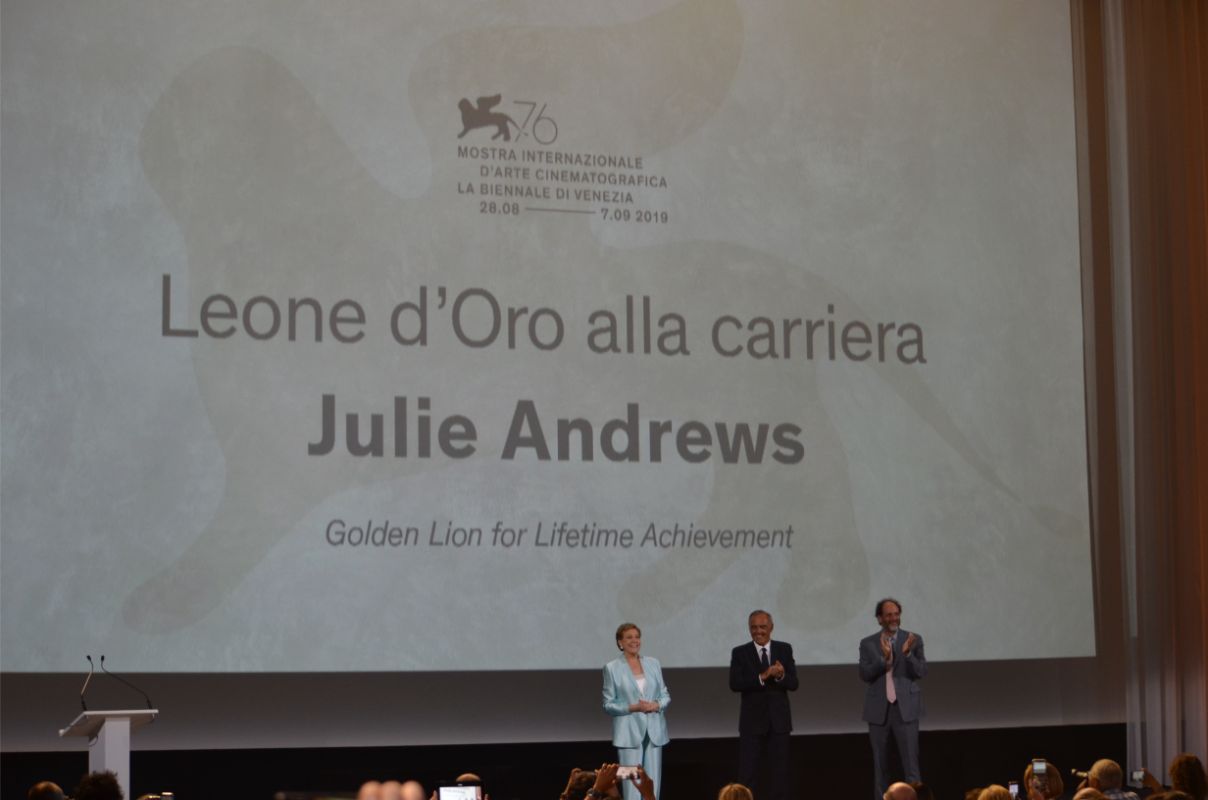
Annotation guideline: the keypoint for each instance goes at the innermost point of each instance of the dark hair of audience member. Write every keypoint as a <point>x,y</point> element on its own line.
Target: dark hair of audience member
<point>1187,775</point>
<point>972,794</point>
<point>994,792</point>
<point>1173,794</point>
<point>735,791</point>
<point>922,790</point>
<point>580,781</point>
<point>45,790</point>
<point>1054,786</point>
<point>98,786</point>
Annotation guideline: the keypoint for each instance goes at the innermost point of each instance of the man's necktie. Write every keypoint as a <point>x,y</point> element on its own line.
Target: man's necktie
<point>891,692</point>
<point>763,658</point>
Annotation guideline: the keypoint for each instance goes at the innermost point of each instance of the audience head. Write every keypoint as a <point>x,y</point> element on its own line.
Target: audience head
<point>1187,775</point>
<point>900,791</point>
<point>973,793</point>
<point>994,792</point>
<point>1043,787</point>
<point>1173,794</point>
<point>578,783</point>
<point>922,790</point>
<point>1089,793</point>
<point>98,786</point>
<point>471,778</point>
<point>45,791</point>
<point>413,790</point>
<point>1105,774</point>
<point>735,791</point>
<point>390,790</point>
<point>370,790</point>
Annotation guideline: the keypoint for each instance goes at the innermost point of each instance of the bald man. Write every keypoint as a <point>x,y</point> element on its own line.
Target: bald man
<point>900,791</point>
<point>413,790</point>
<point>1107,776</point>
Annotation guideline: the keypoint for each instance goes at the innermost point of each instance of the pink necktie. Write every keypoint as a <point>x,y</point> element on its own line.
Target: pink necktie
<point>891,693</point>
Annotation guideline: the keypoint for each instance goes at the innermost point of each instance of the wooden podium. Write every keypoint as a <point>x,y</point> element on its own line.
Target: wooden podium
<point>108,734</point>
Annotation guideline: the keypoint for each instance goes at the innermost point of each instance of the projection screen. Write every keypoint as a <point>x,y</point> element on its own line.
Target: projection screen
<point>387,336</point>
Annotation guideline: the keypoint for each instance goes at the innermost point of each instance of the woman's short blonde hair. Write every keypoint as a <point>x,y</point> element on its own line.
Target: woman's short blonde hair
<point>735,791</point>
<point>994,792</point>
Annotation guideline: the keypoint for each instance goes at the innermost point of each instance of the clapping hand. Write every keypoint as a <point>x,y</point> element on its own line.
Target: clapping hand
<point>886,649</point>
<point>909,644</point>
<point>774,672</point>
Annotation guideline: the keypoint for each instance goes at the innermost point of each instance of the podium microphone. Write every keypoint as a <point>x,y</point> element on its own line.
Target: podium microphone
<point>128,683</point>
<point>84,688</point>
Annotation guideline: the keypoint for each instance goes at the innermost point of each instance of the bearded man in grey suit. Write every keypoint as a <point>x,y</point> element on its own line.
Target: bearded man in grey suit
<point>891,663</point>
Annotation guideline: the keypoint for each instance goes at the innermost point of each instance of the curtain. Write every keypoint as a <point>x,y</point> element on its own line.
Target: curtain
<point>1142,81</point>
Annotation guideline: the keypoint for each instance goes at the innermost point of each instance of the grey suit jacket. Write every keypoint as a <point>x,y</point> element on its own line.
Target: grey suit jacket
<point>907,671</point>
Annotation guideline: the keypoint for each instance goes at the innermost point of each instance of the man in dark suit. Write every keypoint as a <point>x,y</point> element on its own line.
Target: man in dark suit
<point>891,663</point>
<point>764,671</point>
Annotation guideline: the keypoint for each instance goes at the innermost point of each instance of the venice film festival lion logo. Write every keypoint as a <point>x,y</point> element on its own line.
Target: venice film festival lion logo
<point>483,114</point>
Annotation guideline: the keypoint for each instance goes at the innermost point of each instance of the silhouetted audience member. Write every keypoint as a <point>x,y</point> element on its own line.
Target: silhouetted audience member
<point>1046,786</point>
<point>1107,776</point>
<point>922,790</point>
<point>45,790</point>
<point>98,786</point>
<point>370,790</point>
<point>1173,794</point>
<point>578,784</point>
<point>1089,793</point>
<point>994,792</point>
<point>973,793</point>
<point>1187,775</point>
<point>603,783</point>
<point>900,791</point>
<point>413,790</point>
<point>582,781</point>
<point>390,790</point>
<point>735,791</point>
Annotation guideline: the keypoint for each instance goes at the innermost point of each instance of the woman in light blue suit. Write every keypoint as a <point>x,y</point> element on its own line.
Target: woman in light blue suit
<point>635,697</point>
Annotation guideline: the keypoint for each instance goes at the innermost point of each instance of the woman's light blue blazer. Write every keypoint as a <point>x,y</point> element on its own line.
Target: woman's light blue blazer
<point>621,690</point>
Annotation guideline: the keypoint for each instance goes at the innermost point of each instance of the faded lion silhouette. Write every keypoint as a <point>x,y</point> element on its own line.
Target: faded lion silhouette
<point>481,116</point>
